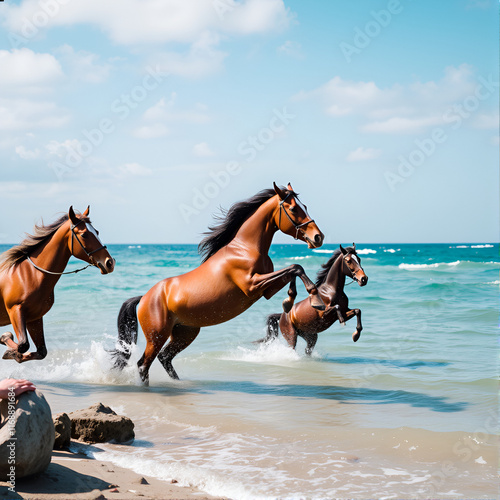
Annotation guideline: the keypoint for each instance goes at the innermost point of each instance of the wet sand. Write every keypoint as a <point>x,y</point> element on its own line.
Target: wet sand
<point>75,476</point>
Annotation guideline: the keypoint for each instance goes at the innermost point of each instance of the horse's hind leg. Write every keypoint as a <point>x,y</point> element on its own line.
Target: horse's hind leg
<point>181,337</point>
<point>311,339</point>
<point>288,330</point>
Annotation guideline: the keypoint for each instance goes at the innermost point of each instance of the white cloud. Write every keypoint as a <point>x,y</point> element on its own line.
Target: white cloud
<point>363,154</point>
<point>168,111</point>
<point>397,109</point>
<point>27,69</point>
<point>134,169</point>
<point>83,66</point>
<point>203,150</point>
<point>27,154</point>
<point>164,111</point>
<point>203,58</point>
<point>486,121</point>
<point>291,48</point>
<point>132,22</point>
<point>402,125</point>
<point>25,114</point>
<point>151,131</point>
<point>61,149</point>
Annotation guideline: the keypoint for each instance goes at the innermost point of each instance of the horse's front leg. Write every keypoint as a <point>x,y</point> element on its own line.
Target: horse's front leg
<point>19,324</point>
<point>271,283</point>
<point>359,327</point>
<point>36,331</point>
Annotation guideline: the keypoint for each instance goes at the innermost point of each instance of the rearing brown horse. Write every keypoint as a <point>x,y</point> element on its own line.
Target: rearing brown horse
<point>30,271</point>
<point>304,321</point>
<point>236,272</point>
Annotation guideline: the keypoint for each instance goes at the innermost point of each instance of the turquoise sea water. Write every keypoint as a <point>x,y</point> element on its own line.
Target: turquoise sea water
<point>381,417</point>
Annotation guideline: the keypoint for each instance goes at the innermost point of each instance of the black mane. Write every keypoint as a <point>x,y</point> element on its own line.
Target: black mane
<point>325,268</point>
<point>230,221</point>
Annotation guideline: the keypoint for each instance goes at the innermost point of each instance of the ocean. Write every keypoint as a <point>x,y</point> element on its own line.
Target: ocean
<point>409,411</point>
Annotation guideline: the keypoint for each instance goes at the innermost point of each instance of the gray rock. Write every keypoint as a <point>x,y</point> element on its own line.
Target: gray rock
<point>62,427</point>
<point>26,435</point>
<point>100,424</point>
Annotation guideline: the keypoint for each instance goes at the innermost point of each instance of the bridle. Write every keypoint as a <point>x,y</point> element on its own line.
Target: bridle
<point>89,254</point>
<point>353,275</point>
<point>298,227</point>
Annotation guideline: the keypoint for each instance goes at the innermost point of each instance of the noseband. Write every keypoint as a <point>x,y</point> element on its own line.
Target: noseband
<point>353,274</point>
<point>298,227</point>
<point>89,254</point>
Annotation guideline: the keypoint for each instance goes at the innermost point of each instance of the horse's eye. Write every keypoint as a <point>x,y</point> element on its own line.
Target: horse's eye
<point>293,209</point>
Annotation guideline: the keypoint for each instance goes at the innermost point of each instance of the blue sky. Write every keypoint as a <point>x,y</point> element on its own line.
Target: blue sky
<point>382,114</point>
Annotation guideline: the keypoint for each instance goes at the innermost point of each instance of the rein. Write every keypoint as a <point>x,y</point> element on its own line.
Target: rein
<point>298,227</point>
<point>89,254</point>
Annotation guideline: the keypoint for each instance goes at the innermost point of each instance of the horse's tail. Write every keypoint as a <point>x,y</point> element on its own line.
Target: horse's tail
<point>127,332</point>
<point>273,328</point>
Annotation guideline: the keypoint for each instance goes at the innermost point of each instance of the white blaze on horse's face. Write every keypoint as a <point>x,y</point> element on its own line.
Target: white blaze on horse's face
<point>93,230</point>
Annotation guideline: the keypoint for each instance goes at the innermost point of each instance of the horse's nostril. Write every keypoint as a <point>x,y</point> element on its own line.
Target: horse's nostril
<point>364,280</point>
<point>318,239</point>
<point>109,263</point>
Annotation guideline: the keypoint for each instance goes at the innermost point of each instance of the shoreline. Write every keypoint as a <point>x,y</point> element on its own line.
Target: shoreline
<point>76,476</point>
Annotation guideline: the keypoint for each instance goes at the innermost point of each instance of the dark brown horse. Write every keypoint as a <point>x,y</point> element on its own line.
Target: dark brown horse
<point>304,321</point>
<point>236,271</point>
<point>30,271</point>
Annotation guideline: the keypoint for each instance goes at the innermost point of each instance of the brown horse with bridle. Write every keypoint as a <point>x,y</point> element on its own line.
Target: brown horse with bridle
<point>235,272</point>
<point>304,321</point>
<point>30,271</point>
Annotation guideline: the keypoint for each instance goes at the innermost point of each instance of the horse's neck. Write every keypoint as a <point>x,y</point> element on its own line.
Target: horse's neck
<point>335,277</point>
<point>53,255</point>
<point>258,230</point>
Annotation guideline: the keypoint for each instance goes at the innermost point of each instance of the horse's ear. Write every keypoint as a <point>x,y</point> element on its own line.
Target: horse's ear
<point>278,191</point>
<point>354,246</point>
<point>72,217</point>
<point>290,187</point>
<point>86,213</point>
<point>343,250</point>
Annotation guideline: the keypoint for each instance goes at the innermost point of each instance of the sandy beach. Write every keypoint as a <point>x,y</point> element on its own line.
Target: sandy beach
<point>74,475</point>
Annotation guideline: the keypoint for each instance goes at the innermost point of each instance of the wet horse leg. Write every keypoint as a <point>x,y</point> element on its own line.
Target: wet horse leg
<point>292,294</point>
<point>272,283</point>
<point>181,337</point>
<point>36,331</point>
<point>359,327</point>
<point>311,339</point>
<point>288,330</point>
<point>19,324</point>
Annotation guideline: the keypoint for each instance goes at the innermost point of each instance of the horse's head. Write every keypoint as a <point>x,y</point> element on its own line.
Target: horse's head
<point>84,242</point>
<point>352,265</point>
<point>292,218</point>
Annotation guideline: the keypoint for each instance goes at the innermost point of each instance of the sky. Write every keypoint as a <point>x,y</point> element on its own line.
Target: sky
<point>383,114</point>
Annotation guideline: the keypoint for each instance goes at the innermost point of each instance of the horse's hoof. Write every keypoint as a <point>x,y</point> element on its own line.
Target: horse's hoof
<point>317,302</point>
<point>6,337</point>
<point>12,354</point>
<point>355,336</point>
<point>287,305</point>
